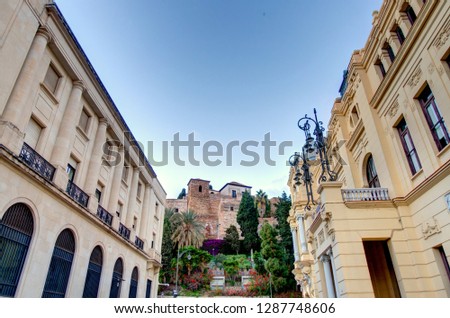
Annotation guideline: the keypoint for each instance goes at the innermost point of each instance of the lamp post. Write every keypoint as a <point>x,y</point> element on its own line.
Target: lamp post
<point>313,146</point>
<point>175,292</point>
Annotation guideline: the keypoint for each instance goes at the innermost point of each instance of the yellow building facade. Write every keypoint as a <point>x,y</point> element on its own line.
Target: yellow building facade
<point>81,210</point>
<point>382,229</point>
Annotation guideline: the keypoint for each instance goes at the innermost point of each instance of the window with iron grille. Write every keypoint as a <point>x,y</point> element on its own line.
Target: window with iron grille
<point>434,119</point>
<point>408,147</point>
<point>60,266</point>
<point>16,230</point>
<point>93,274</point>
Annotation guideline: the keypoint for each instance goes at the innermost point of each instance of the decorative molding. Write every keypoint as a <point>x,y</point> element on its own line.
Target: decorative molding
<point>415,77</point>
<point>440,70</point>
<point>393,109</point>
<point>430,228</point>
<point>431,68</point>
<point>321,237</point>
<point>442,38</point>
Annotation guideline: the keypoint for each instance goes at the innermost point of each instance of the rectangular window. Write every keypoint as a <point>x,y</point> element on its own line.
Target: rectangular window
<point>139,190</point>
<point>390,52</point>
<point>408,147</point>
<point>434,118</point>
<point>32,133</point>
<point>400,35</point>
<point>380,66</point>
<point>98,195</point>
<point>119,209</point>
<point>233,193</point>
<point>71,172</point>
<point>84,121</point>
<point>125,173</point>
<point>51,79</point>
<point>410,14</point>
<point>156,210</point>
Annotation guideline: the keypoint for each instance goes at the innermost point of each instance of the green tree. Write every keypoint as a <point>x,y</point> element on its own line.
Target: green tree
<point>232,239</point>
<point>187,229</point>
<point>261,202</point>
<point>247,218</point>
<point>272,253</point>
<point>168,250</point>
<point>284,229</point>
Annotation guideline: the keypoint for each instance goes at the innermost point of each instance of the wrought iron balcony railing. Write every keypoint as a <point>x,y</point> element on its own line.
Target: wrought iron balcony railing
<point>36,162</point>
<point>77,194</point>
<point>365,194</point>
<point>104,215</point>
<point>124,231</point>
<point>139,243</point>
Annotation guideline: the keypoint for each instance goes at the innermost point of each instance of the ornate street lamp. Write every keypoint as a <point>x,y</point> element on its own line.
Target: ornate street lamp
<point>175,292</point>
<point>310,150</point>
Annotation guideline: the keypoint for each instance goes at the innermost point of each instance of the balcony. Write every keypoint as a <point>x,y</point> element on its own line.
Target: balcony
<point>104,215</point>
<point>139,243</point>
<point>36,162</point>
<point>77,194</point>
<point>365,194</point>
<point>124,231</point>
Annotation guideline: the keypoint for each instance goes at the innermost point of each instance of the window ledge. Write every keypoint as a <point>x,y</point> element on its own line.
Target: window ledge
<point>417,174</point>
<point>82,133</point>
<point>444,150</point>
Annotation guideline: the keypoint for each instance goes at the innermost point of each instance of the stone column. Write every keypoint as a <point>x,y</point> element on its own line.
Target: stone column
<point>301,234</point>
<point>17,111</point>
<point>66,134</point>
<point>132,198</point>
<point>295,244</point>
<point>325,259</point>
<point>115,187</point>
<point>95,163</point>
<point>144,214</point>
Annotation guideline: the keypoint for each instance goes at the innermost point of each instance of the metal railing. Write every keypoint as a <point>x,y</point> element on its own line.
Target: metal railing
<point>104,215</point>
<point>139,243</point>
<point>124,231</point>
<point>365,194</point>
<point>36,162</point>
<point>77,194</point>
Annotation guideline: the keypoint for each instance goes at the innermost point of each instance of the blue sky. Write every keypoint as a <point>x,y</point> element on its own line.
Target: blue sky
<point>224,70</point>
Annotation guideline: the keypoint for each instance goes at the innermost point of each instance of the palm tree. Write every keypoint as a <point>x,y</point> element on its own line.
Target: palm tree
<point>261,201</point>
<point>187,229</point>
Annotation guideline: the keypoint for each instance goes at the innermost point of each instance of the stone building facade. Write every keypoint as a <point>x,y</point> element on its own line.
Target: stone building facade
<point>81,210</point>
<point>383,228</point>
<point>217,209</point>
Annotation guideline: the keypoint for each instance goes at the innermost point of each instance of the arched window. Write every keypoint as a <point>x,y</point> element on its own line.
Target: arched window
<point>371,174</point>
<point>16,230</point>
<point>116,282</point>
<point>60,266</point>
<point>134,283</point>
<point>93,273</point>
